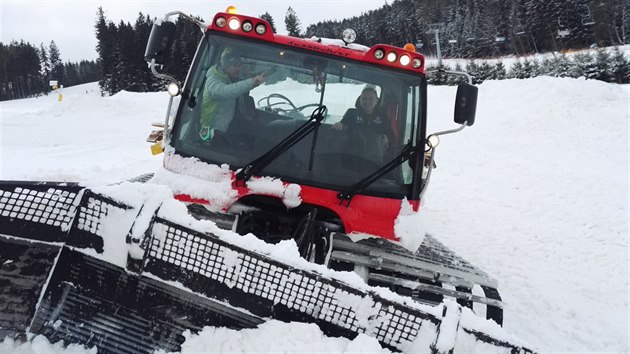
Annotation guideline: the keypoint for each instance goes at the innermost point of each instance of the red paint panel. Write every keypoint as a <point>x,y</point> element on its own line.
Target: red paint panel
<point>366,214</point>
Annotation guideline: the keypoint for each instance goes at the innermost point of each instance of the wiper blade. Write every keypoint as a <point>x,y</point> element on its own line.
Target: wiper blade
<point>300,133</point>
<point>346,195</point>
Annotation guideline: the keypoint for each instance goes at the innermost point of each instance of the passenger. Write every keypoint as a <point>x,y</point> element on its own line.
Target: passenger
<point>368,121</point>
<point>224,98</point>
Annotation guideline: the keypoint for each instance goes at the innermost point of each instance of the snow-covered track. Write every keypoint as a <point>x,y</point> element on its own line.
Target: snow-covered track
<point>186,279</point>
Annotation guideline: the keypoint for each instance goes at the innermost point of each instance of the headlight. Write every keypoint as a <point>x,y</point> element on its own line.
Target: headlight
<point>261,29</point>
<point>416,63</point>
<point>379,54</point>
<point>234,24</point>
<point>433,141</point>
<point>349,35</point>
<point>404,60</point>
<point>220,22</point>
<point>173,89</point>
<point>392,56</point>
<point>247,26</point>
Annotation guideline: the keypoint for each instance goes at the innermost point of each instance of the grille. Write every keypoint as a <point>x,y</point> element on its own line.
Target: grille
<point>41,211</point>
<point>231,272</point>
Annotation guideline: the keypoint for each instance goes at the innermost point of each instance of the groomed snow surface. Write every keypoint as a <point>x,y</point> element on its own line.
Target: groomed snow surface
<point>535,193</point>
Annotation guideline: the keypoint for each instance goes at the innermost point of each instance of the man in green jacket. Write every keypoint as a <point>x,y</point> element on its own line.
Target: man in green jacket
<point>223,96</point>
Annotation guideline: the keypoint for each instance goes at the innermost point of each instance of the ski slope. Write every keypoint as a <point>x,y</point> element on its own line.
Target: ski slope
<point>535,193</point>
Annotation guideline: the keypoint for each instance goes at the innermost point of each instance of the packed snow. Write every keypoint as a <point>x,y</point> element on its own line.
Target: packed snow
<point>535,193</point>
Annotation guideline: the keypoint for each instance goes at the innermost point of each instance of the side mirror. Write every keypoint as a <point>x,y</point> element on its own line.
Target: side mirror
<point>161,38</point>
<point>466,104</point>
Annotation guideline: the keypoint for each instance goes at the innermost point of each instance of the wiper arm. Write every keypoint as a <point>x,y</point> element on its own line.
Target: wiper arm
<point>300,133</point>
<point>346,195</point>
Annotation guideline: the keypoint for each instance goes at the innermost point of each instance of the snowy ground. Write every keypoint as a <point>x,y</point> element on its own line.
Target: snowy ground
<point>535,193</point>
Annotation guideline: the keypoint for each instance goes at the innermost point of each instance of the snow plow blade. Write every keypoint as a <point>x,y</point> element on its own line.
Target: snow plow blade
<point>59,278</point>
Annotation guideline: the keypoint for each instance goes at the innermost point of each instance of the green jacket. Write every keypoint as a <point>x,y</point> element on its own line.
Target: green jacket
<point>219,98</point>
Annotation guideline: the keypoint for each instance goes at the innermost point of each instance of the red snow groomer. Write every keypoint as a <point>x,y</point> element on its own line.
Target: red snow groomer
<point>318,141</point>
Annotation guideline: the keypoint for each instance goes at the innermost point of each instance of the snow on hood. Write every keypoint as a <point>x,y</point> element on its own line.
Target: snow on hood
<point>197,179</point>
<point>409,227</point>
<point>290,194</point>
<point>200,180</point>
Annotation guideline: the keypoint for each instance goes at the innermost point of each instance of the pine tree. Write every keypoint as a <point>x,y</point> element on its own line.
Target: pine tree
<point>21,71</point>
<point>582,66</point>
<point>619,67</point>
<point>563,66</point>
<point>267,17</point>
<point>498,72</point>
<point>517,72</point>
<point>126,64</point>
<point>292,23</point>
<point>56,66</point>
<point>142,75</point>
<point>105,47</point>
<point>602,66</point>
<point>45,63</point>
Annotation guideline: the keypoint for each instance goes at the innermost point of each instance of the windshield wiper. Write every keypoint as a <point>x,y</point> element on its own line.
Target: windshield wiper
<point>254,167</point>
<point>346,195</point>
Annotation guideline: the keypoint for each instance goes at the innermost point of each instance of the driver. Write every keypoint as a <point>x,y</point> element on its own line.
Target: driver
<point>368,121</point>
<point>225,97</point>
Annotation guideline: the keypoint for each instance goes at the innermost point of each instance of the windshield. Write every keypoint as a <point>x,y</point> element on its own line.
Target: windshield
<point>244,97</point>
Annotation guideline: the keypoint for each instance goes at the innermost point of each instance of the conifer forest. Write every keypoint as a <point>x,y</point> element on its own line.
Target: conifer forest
<point>467,29</point>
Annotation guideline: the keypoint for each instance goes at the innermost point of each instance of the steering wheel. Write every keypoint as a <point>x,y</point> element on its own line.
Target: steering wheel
<point>282,101</point>
<point>283,104</point>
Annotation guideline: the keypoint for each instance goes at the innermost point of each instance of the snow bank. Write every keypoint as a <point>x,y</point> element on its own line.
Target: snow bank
<point>276,337</point>
<point>40,345</point>
<point>535,193</point>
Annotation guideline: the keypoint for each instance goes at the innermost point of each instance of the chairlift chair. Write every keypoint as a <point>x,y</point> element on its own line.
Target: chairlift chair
<point>519,29</point>
<point>563,30</point>
<point>587,19</point>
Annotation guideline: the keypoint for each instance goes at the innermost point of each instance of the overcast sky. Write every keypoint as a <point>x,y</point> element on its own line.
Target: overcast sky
<point>71,23</point>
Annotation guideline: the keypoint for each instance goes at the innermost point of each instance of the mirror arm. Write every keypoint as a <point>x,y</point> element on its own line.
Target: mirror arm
<point>445,132</point>
<point>449,131</point>
<point>202,25</point>
<point>161,76</point>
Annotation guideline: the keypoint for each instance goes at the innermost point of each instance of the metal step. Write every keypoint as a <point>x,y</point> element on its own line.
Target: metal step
<point>432,261</point>
<point>422,274</point>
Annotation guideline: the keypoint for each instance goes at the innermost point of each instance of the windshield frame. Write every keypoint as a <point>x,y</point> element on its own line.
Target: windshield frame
<point>418,120</point>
